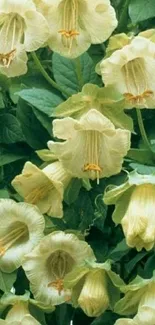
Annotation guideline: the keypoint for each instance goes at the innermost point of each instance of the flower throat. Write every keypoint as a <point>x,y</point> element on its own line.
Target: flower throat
<point>69,31</point>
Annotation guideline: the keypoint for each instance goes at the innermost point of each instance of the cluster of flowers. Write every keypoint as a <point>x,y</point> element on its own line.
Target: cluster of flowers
<point>60,266</point>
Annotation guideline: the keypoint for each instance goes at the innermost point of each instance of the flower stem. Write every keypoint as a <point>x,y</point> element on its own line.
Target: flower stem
<point>123,17</point>
<point>46,76</point>
<point>142,130</point>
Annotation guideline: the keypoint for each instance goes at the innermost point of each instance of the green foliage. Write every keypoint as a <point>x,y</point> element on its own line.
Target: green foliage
<point>140,10</point>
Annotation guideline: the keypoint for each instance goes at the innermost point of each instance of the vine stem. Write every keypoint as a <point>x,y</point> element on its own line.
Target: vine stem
<point>46,76</point>
<point>142,130</point>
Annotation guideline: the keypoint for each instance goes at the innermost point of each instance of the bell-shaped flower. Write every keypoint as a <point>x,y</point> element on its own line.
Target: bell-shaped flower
<point>76,24</point>
<point>135,209</point>
<point>48,264</point>
<point>20,23</point>
<point>95,287</point>
<point>105,100</point>
<point>93,147</point>
<point>131,71</point>
<point>21,229</point>
<point>43,188</point>
<point>139,299</point>
<point>19,312</point>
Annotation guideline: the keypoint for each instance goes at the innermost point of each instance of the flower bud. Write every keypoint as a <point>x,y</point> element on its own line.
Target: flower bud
<point>139,219</point>
<point>94,299</point>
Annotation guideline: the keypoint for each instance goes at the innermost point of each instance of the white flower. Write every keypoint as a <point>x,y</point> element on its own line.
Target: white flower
<point>46,266</point>
<point>19,312</point>
<point>44,188</point>
<point>135,209</point>
<point>94,297</point>
<point>21,229</point>
<point>146,308</point>
<point>75,24</point>
<point>131,70</point>
<point>93,147</point>
<point>20,23</point>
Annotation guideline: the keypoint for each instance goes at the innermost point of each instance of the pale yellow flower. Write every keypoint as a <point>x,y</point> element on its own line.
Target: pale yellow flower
<point>21,229</point>
<point>139,299</point>
<point>94,297</point>
<point>93,147</point>
<point>131,71</point>
<point>46,266</point>
<point>75,24</point>
<point>43,188</point>
<point>19,312</point>
<point>135,209</point>
<point>146,308</point>
<point>20,24</point>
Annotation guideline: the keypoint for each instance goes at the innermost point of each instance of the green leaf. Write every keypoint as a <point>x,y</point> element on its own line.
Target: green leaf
<point>140,10</point>
<point>41,99</point>
<point>2,105</point>
<point>8,156</point>
<point>108,318</point>
<point>130,266</point>
<point>4,194</point>
<point>7,280</point>
<point>35,134</point>
<point>149,266</point>
<point>43,119</point>
<point>71,75</point>
<point>72,191</point>
<point>143,169</point>
<point>140,155</point>
<point>119,251</point>
<point>10,129</point>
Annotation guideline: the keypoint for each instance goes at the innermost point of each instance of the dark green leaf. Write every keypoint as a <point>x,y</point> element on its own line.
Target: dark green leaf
<point>10,129</point>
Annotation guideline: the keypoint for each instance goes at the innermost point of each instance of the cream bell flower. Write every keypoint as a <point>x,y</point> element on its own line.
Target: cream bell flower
<point>131,71</point>
<point>21,229</point>
<point>105,100</point>
<point>135,209</point>
<point>93,147</point>
<point>48,264</point>
<point>95,287</point>
<point>19,312</point>
<point>43,188</point>
<point>139,299</point>
<point>76,24</point>
<point>20,23</point>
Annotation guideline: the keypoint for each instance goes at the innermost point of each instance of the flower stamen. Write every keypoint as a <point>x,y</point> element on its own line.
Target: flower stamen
<point>136,81</point>
<point>6,59</point>
<point>69,30</point>
<point>58,285</point>
<point>92,150</point>
<point>137,99</point>
<point>69,33</point>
